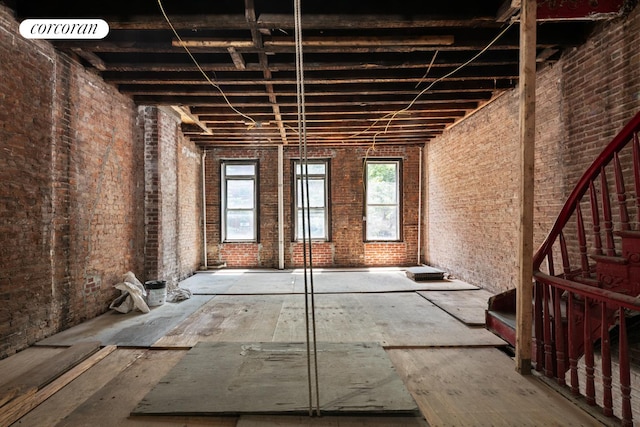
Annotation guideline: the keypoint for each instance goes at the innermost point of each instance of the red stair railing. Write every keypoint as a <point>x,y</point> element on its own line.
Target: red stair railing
<point>580,308</point>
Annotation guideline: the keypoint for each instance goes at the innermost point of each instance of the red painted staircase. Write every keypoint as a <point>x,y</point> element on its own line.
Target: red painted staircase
<point>596,290</point>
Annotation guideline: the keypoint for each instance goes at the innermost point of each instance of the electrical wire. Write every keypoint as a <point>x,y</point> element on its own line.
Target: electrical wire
<point>391,116</point>
<point>211,82</point>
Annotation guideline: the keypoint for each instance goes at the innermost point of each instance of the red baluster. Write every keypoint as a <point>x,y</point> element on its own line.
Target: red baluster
<point>588,354</point>
<point>625,376</point>
<point>538,325</point>
<point>595,214</point>
<point>582,242</point>
<point>636,173</point>
<point>607,400</point>
<point>606,213</point>
<point>560,335</point>
<point>621,193</point>
<point>548,345</point>
<point>573,356</point>
<point>566,264</point>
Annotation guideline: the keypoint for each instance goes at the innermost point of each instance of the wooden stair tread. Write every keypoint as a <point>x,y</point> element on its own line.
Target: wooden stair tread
<point>506,317</point>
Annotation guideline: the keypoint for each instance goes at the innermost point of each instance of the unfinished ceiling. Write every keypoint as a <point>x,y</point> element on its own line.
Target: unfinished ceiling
<point>395,72</point>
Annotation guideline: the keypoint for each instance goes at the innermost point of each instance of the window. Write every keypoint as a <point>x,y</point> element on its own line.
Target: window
<point>382,208</point>
<point>318,199</point>
<point>239,212</point>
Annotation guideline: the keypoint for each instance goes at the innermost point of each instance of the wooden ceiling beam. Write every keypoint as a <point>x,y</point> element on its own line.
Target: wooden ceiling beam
<point>332,81</point>
<point>285,21</point>
<point>341,42</point>
<point>221,67</point>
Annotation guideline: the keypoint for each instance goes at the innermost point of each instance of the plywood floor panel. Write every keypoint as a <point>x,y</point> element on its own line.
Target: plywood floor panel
<point>466,306</point>
<point>133,329</point>
<point>408,320</point>
<point>233,378</point>
<point>339,318</point>
<point>480,387</point>
<point>240,282</point>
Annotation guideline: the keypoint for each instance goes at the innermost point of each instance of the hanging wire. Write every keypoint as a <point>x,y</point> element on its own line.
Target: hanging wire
<point>391,116</point>
<point>310,318</point>
<point>211,82</point>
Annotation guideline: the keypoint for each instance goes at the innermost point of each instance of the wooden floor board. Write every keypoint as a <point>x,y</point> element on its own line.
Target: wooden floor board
<point>63,403</point>
<point>112,403</point>
<point>20,363</point>
<point>480,387</point>
<point>348,421</point>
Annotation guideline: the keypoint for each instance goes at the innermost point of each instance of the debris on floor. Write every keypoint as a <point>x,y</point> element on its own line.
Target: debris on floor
<point>178,294</point>
<point>132,297</point>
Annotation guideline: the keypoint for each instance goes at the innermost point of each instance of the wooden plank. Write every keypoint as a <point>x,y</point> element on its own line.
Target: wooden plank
<point>328,421</point>
<point>64,402</point>
<point>14,412</point>
<point>467,306</point>
<point>527,92</point>
<point>112,404</point>
<point>477,387</point>
<point>17,365</point>
<point>47,371</point>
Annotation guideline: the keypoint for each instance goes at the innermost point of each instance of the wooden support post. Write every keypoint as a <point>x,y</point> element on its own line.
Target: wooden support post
<point>527,86</point>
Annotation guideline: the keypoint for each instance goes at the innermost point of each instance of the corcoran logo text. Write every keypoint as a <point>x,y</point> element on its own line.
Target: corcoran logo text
<point>64,28</point>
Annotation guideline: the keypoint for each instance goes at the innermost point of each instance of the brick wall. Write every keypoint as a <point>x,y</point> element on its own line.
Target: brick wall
<point>173,248</point>
<point>346,248</point>
<point>189,207</point>
<point>70,217</point>
<point>582,101</point>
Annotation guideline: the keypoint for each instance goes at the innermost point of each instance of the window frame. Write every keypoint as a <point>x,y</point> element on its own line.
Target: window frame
<point>398,204</point>
<point>224,179</point>
<point>327,198</point>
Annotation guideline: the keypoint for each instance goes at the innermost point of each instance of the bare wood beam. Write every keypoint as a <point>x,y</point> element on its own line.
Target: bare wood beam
<point>318,81</point>
<point>508,10</point>
<point>216,102</point>
<point>271,21</point>
<point>256,35</point>
<point>527,91</point>
<point>180,22</point>
<point>426,112</point>
<point>237,58</point>
<point>187,117</point>
<point>322,42</point>
<point>159,66</point>
<point>351,22</point>
<point>91,58</point>
<point>362,41</point>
